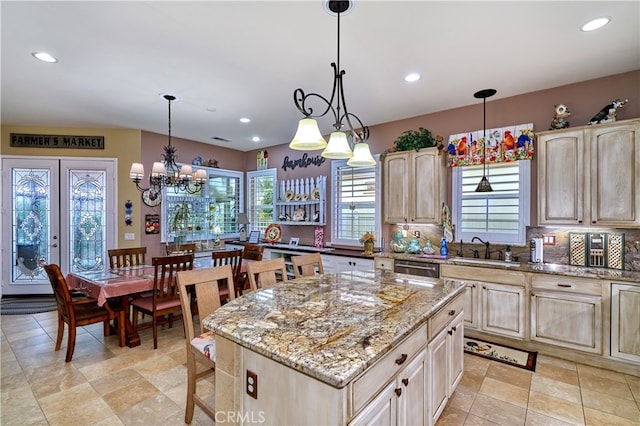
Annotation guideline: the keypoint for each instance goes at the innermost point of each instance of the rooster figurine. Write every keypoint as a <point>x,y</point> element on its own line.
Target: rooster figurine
<point>608,113</point>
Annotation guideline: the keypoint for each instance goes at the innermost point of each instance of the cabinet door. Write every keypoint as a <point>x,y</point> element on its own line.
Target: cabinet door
<point>438,382</point>
<point>412,381</point>
<point>426,171</point>
<point>503,309</point>
<point>625,322</point>
<point>471,305</point>
<point>396,188</point>
<point>615,175</point>
<point>383,410</point>
<point>455,349</point>
<point>569,320</point>
<point>561,178</point>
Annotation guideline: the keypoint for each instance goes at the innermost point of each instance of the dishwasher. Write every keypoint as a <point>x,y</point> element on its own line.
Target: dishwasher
<point>411,267</point>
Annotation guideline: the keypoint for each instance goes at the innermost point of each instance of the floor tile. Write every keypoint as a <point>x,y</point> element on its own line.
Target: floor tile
<point>497,411</point>
<point>556,389</point>
<point>550,406</point>
<point>606,402</point>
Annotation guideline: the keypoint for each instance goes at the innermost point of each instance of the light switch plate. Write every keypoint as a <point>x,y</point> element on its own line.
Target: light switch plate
<point>129,236</point>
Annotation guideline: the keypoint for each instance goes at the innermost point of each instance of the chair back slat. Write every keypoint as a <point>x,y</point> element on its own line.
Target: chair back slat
<point>165,272</point>
<point>307,264</point>
<point>263,274</point>
<point>123,257</point>
<point>205,283</point>
<point>187,248</point>
<point>60,289</point>
<point>229,257</point>
<point>252,251</point>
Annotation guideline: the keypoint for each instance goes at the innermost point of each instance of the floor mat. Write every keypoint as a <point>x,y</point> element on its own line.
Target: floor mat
<point>23,305</point>
<point>505,354</point>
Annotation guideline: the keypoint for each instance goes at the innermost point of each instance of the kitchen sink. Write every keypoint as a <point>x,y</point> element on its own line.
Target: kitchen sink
<point>474,261</point>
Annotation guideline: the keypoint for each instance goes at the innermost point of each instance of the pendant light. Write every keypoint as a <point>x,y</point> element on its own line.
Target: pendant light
<point>484,185</point>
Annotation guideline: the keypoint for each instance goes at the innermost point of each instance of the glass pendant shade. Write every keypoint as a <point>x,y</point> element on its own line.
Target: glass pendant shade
<point>338,147</point>
<point>158,169</point>
<point>484,185</point>
<point>308,136</point>
<point>361,156</point>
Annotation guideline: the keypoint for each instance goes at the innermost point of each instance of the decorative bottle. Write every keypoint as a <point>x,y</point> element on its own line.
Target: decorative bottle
<point>444,251</point>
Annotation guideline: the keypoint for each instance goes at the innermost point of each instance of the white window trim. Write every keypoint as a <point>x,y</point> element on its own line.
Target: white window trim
<point>334,207</point>
<point>524,199</point>
<point>273,173</point>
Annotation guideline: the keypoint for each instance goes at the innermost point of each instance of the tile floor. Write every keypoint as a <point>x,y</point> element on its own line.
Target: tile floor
<point>109,385</point>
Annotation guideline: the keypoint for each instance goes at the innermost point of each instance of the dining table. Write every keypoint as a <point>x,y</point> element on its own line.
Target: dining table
<point>121,284</point>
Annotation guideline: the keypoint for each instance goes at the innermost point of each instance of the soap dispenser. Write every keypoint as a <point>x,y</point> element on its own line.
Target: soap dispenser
<point>444,251</point>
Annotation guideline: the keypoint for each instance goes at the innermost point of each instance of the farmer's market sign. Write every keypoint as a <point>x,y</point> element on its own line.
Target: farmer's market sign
<point>23,140</point>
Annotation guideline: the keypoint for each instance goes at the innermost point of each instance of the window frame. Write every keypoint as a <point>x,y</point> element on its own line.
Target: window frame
<point>335,205</point>
<point>250,202</point>
<point>524,201</point>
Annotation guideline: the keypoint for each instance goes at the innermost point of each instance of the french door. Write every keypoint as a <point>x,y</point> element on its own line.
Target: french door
<point>55,210</point>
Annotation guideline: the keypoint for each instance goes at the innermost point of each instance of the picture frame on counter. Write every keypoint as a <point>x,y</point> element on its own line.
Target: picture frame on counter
<point>293,242</point>
<point>254,237</point>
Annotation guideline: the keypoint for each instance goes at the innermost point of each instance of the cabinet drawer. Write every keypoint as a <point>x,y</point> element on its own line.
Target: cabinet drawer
<point>384,263</point>
<point>566,285</point>
<point>445,315</point>
<point>471,273</point>
<point>368,384</point>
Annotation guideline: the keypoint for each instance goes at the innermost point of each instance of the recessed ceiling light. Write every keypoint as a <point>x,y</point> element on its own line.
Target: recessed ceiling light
<point>210,109</point>
<point>594,24</point>
<point>44,57</point>
<point>412,77</point>
<point>245,120</point>
<point>255,139</point>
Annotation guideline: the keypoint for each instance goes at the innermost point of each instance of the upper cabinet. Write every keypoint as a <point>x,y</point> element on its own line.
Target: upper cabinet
<point>590,175</point>
<point>414,186</point>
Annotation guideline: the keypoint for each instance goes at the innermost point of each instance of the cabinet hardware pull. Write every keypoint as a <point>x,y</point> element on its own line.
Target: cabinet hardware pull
<point>450,332</point>
<point>564,285</point>
<point>402,359</point>
<point>405,382</point>
<point>398,391</point>
<point>454,328</point>
<point>452,312</point>
<point>473,285</point>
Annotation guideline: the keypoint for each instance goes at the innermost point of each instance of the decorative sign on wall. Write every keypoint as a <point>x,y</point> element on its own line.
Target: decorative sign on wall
<point>152,224</point>
<point>505,144</point>
<point>305,161</point>
<point>23,140</point>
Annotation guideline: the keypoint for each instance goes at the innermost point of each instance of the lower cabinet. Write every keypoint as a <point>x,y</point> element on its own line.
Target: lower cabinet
<point>402,401</point>
<point>445,349</point>
<point>502,309</point>
<point>567,312</point>
<point>625,322</point>
<point>336,264</point>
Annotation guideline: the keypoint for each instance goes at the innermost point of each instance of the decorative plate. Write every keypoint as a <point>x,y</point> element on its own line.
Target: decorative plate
<point>152,197</point>
<point>298,197</point>
<point>299,215</point>
<point>288,196</point>
<point>305,197</point>
<point>315,195</point>
<point>272,233</point>
<point>197,161</point>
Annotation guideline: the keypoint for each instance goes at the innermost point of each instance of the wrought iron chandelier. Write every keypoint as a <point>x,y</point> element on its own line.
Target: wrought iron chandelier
<point>484,185</point>
<point>308,136</point>
<point>167,173</point>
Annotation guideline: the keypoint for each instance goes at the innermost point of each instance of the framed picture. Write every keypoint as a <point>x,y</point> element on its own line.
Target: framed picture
<point>294,241</point>
<point>254,237</point>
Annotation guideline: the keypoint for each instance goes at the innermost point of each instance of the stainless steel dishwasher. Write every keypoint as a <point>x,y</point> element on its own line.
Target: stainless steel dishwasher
<point>412,267</point>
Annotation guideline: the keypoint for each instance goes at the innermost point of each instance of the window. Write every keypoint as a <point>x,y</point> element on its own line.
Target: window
<point>208,213</point>
<point>355,205</point>
<point>500,216</point>
<point>260,198</point>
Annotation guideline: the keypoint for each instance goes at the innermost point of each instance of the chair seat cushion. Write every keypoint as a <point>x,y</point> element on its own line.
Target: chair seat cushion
<point>147,303</point>
<point>206,344</point>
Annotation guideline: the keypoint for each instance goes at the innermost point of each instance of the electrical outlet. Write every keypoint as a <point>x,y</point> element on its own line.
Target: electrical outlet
<point>252,384</point>
<point>549,240</point>
<point>129,236</point>
<point>417,234</point>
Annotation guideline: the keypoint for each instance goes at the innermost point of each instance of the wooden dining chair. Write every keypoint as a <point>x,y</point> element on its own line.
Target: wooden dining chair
<point>234,259</point>
<point>264,274</point>
<point>123,257</point>
<point>187,248</point>
<point>306,265</point>
<point>165,299</point>
<point>201,346</point>
<point>80,312</point>
<point>251,252</point>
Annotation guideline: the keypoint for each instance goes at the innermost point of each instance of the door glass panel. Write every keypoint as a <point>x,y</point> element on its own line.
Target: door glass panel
<point>30,222</point>
<point>87,207</point>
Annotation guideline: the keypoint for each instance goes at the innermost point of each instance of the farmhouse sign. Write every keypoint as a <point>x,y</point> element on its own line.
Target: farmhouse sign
<point>23,140</point>
<point>304,161</point>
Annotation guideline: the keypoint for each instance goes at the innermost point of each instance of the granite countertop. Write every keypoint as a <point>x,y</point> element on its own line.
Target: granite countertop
<point>632,277</point>
<point>334,326</point>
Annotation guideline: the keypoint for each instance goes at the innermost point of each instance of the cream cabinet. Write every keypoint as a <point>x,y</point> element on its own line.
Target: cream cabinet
<point>567,312</point>
<point>414,186</point>
<point>335,264</point>
<point>383,263</point>
<point>590,175</point>
<point>625,322</point>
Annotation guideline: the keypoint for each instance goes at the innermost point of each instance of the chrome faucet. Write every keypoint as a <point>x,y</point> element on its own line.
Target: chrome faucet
<point>487,253</point>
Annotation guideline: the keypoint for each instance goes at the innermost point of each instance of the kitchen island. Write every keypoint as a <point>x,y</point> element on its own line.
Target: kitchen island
<point>335,349</point>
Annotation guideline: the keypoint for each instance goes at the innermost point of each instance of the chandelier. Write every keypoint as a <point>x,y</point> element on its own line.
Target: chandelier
<point>484,185</point>
<point>308,136</point>
<point>167,173</point>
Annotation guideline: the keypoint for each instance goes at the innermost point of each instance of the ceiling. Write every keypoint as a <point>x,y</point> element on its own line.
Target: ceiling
<point>230,59</point>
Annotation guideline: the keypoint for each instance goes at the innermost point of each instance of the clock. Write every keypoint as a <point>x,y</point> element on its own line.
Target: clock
<point>152,197</point>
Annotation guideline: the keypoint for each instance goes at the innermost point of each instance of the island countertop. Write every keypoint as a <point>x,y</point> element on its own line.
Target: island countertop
<point>334,326</point>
